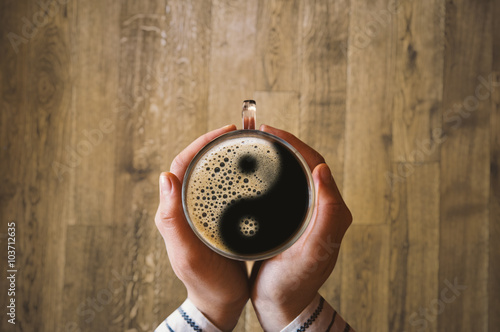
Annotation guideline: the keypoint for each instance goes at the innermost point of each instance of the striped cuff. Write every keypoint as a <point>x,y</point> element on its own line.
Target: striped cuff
<point>187,318</point>
<point>318,316</point>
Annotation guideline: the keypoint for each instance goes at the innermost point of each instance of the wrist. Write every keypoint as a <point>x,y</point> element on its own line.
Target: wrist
<point>275,314</point>
<point>224,315</point>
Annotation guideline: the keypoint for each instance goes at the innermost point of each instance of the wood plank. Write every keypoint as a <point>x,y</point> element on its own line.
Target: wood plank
<point>323,30</point>
<point>365,286</point>
<point>418,81</point>
<point>14,112</point>
<point>494,212</point>
<point>39,97</point>
<point>279,109</point>
<point>399,248</point>
<point>184,63</point>
<point>465,165</point>
<point>89,299</point>
<point>277,66</point>
<point>232,61</point>
<point>494,208</point>
<point>164,73</point>
<point>185,68</point>
<point>98,292</point>
<point>137,165</point>
<point>368,149</point>
<point>323,86</point>
<point>416,139</point>
<point>415,250</point>
<point>15,154</point>
<point>95,38</point>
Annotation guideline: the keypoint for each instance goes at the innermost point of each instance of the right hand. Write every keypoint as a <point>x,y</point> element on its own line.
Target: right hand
<point>286,284</point>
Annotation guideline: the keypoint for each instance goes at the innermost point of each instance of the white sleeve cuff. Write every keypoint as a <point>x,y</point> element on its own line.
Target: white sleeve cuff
<point>187,318</point>
<point>318,316</point>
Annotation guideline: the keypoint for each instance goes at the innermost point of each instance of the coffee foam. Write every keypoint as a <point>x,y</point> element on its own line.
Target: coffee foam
<point>236,169</point>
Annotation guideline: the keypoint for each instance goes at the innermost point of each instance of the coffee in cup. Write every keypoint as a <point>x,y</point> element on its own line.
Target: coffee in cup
<point>248,194</point>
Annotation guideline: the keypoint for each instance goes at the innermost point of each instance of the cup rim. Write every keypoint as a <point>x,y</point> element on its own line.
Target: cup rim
<point>310,182</point>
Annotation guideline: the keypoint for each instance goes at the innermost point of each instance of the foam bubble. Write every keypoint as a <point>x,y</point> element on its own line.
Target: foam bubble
<point>248,226</point>
<point>236,169</point>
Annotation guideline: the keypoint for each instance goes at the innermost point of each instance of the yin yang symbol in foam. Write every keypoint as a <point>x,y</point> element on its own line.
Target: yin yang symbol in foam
<point>236,170</point>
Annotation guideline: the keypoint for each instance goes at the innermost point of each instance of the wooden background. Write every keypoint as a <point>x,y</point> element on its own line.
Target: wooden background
<point>97,97</point>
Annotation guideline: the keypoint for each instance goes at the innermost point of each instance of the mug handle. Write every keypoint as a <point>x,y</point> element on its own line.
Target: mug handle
<point>249,114</point>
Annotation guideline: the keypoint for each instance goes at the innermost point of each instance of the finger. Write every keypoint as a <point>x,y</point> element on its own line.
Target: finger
<point>312,157</point>
<point>170,219</point>
<point>181,162</point>
<point>331,217</point>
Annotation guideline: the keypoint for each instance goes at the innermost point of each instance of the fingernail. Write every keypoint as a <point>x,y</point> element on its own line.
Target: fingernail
<point>326,174</point>
<point>165,184</point>
<point>228,126</point>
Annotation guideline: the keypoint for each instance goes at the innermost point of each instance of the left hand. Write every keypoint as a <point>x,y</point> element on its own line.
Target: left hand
<point>216,285</point>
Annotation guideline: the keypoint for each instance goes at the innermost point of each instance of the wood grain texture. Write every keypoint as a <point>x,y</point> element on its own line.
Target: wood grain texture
<point>277,46</point>
<point>414,258</point>
<point>416,138</point>
<point>279,109</point>
<point>138,148</point>
<point>94,33</point>
<point>42,86</point>
<point>366,249</point>
<point>323,94</point>
<point>50,101</point>
<point>232,60</point>
<point>398,259</point>
<point>494,224</point>
<point>168,92</point>
<point>323,89</point>
<point>418,80</point>
<point>494,208</point>
<point>92,301</point>
<point>368,147</point>
<point>401,97</point>
<point>464,165</point>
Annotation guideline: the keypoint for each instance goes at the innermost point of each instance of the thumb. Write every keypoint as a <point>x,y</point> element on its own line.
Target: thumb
<point>170,219</point>
<point>332,212</point>
<point>331,217</point>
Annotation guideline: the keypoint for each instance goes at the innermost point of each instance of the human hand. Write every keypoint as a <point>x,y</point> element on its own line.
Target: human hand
<point>216,285</point>
<point>285,284</point>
